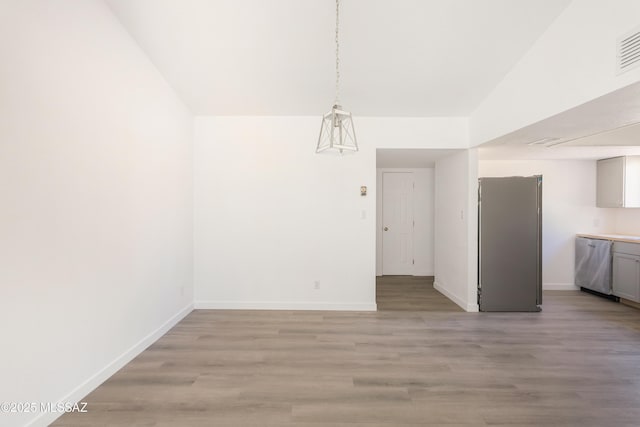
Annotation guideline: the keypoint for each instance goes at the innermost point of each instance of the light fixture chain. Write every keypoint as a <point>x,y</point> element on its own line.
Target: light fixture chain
<point>336,131</point>
<point>337,100</point>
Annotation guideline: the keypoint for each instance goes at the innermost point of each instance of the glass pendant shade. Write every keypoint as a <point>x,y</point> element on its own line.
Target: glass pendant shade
<point>337,132</point>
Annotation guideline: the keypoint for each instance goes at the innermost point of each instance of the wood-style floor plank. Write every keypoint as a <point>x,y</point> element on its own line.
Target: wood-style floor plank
<point>411,293</point>
<point>413,363</point>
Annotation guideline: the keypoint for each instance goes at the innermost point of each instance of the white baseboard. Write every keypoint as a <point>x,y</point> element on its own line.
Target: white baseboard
<point>277,305</point>
<point>427,274</point>
<point>424,274</point>
<point>76,395</point>
<point>559,287</point>
<point>471,308</point>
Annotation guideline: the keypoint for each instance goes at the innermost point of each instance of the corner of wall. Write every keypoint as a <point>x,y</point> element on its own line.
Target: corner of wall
<point>82,390</point>
<point>461,302</point>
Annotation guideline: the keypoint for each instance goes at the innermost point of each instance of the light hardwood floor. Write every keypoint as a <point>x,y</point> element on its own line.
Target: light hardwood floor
<point>577,363</point>
<point>411,293</point>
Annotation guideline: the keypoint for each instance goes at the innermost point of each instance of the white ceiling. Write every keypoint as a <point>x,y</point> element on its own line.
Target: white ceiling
<point>625,135</point>
<point>607,126</point>
<point>607,120</point>
<point>398,58</point>
<point>513,152</point>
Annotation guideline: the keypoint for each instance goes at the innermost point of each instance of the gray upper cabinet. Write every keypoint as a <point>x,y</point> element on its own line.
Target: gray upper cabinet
<point>618,182</point>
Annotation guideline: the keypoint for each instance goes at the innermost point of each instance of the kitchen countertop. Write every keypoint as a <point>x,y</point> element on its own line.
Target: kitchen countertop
<point>614,237</point>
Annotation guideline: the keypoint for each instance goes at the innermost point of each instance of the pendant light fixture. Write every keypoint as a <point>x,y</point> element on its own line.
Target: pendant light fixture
<point>336,131</point>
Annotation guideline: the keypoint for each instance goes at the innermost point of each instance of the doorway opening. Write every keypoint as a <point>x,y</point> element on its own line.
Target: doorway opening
<point>405,212</point>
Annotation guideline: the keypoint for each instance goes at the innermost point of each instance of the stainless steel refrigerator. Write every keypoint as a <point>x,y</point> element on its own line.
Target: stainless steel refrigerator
<point>510,243</point>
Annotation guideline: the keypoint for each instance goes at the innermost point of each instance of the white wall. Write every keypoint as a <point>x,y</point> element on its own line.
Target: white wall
<point>627,221</point>
<point>571,63</point>
<point>96,217</point>
<point>423,234</point>
<point>272,217</point>
<point>413,132</point>
<point>456,232</point>
<point>568,208</point>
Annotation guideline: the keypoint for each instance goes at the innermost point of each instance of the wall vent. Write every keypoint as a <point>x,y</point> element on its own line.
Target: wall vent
<point>628,51</point>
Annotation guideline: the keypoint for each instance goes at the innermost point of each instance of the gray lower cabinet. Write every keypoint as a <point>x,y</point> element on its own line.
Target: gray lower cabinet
<point>626,270</point>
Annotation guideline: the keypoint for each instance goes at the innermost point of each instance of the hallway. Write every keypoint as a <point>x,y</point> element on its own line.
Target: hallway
<point>411,293</point>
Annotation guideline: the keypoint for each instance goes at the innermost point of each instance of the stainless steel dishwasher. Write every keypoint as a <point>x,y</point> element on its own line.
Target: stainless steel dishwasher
<point>593,265</point>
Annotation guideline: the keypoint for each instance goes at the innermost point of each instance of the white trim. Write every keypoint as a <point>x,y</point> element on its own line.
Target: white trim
<point>471,308</point>
<point>427,274</point>
<point>559,287</point>
<point>284,305</point>
<point>430,273</point>
<point>77,394</point>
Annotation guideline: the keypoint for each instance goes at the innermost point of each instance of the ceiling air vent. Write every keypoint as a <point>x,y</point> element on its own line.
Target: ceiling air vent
<point>629,51</point>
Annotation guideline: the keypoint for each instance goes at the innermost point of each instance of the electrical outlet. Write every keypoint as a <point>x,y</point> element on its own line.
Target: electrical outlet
<point>316,284</point>
<point>182,291</point>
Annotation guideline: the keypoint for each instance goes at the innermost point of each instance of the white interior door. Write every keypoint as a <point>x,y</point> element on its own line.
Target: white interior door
<point>397,223</point>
